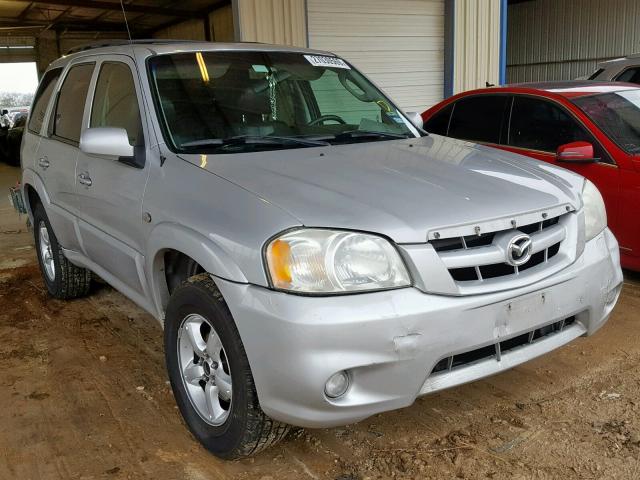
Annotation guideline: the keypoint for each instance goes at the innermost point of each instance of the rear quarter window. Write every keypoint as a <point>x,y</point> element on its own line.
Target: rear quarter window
<point>41,100</point>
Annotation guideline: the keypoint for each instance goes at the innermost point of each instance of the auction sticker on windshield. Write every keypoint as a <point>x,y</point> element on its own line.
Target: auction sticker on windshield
<point>322,61</point>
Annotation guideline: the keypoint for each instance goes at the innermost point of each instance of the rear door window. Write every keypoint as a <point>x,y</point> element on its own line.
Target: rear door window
<point>67,121</point>
<point>41,100</point>
<point>115,103</point>
<point>480,118</point>
<point>439,123</point>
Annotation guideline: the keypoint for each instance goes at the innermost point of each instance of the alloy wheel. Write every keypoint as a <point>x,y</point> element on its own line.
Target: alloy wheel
<point>46,254</point>
<point>205,369</point>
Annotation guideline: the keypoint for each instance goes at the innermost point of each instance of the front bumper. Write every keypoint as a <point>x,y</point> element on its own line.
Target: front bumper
<point>390,341</point>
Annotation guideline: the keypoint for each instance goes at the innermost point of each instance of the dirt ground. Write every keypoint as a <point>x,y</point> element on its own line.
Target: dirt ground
<point>84,395</point>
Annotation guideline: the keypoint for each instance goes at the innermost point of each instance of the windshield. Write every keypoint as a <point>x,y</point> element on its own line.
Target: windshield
<point>617,114</point>
<point>248,101</point>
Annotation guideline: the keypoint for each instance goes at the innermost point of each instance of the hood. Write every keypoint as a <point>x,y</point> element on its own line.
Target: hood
<point>399,188</point>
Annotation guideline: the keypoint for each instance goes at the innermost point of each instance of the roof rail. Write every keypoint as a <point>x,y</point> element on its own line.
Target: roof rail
<point>124,42</point>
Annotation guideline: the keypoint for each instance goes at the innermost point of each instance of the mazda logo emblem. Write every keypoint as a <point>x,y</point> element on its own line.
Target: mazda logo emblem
<point>519,250</point>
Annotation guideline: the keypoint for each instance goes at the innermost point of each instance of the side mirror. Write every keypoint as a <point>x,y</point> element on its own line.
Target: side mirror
<point>416,119</point>
<point>107,142</point>
<point>577,152</point>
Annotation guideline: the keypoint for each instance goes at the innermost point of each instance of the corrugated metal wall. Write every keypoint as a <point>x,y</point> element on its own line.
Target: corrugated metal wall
<point>565,39</point>
<point>273,21</point>
<point>476,44</point>
<point>398,43</point>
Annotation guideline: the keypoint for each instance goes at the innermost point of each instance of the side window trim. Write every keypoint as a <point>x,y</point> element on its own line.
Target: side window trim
<point>573,116</point>
<point>54,108</point>
<point>512,101</point>
<point>453,109</point>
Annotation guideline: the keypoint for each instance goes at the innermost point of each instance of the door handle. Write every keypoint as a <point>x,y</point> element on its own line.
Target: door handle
<point>44,163</point>
<point>84,179</point>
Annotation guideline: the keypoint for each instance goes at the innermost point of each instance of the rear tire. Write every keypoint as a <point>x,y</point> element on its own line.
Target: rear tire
<point>63,279</point>
<point>204,356</point>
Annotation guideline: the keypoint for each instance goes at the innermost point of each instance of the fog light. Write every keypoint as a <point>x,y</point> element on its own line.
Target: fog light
<point>337,385</point>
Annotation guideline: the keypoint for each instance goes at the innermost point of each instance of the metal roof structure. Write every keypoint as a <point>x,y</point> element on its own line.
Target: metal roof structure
<point>144,16</point>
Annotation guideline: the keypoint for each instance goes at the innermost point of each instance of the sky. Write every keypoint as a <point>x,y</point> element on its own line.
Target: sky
<point>18,77</point>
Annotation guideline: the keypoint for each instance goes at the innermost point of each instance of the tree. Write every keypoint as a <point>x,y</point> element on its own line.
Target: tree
<point>14,99</point>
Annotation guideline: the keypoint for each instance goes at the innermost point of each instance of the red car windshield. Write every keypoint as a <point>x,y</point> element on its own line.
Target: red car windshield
<point>617,114</point>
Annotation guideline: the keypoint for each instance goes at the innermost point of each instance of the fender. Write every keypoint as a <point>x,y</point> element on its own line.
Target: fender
<point>30,178</point>
<point>203,250</point>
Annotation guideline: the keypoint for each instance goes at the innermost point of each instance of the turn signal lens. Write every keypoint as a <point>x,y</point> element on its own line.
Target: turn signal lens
<point>595,215</point>
<point>279,259</point>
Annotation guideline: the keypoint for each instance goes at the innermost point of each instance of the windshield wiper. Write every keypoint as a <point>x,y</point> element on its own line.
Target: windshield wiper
<point>255,140</point>
<point>362,134</point>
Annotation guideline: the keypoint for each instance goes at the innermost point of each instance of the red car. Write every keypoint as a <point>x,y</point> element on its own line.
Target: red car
<point>589,127</point>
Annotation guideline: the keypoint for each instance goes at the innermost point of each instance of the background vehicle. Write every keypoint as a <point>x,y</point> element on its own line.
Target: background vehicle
<point>14,139</point>
<point>588,127</point>
<point>626,69</point>
<point>17,112</point>
<point>303,243</point>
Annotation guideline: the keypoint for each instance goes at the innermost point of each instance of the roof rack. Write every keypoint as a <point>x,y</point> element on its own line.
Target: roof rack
<point>124,42</point>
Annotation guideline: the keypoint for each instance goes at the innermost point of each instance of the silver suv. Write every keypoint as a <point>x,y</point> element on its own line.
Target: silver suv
<point>314,257</point>
<point>625,69</point>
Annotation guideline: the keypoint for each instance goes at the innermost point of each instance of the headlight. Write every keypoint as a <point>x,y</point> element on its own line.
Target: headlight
<point>595,215</point>
<point>329,261</point>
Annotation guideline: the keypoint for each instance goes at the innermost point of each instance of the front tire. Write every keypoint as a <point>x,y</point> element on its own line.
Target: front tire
<point>63,279</point>
<point>210,374</point>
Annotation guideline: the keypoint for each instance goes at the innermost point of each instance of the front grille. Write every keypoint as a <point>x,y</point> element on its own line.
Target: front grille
<point>498,349</point>
<point>476,258</point>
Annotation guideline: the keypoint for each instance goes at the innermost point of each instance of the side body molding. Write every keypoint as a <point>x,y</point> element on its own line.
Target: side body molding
<point>62,220</point>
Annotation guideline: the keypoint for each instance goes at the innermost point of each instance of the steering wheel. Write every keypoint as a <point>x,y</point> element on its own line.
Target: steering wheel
<point>326,118</point>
